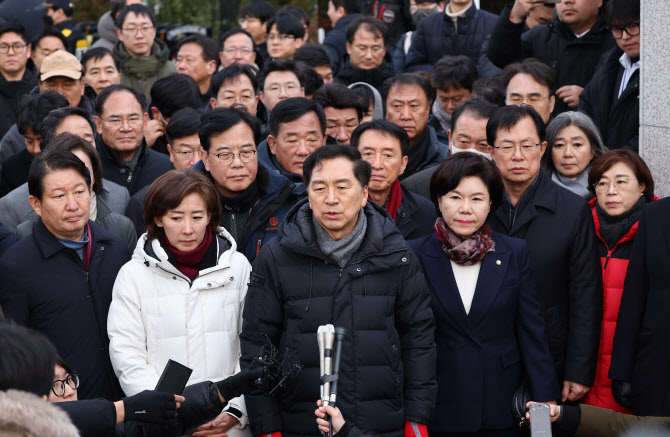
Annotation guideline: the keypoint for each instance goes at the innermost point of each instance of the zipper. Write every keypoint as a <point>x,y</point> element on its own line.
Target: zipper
<point>130,176</point>
<point>607,260</point>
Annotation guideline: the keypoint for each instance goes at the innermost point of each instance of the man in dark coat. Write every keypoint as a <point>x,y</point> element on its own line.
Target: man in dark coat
<point>558,227</point>
<point>461,30</point>
<point>611,99</point>
<point>640,358</point>
<point>340,260</point>
<point>77,263</point>
<point>384,146</point>
<point>571,44</point>
<point>341,14</point>
<point>121,122</point>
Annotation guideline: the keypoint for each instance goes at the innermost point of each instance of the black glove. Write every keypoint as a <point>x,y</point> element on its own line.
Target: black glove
<point>151,407</point>
<point>239,384</point>
<point>622,392</point>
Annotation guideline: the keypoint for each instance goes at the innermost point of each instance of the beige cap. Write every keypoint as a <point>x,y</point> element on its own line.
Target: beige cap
<point>60,63</point>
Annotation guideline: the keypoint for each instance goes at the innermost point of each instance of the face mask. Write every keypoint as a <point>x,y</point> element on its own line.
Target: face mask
<point>420,14</point>
<point>455,149</point>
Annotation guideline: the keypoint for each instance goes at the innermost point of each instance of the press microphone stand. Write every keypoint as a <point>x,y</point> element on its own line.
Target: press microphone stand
<point>330,365</point>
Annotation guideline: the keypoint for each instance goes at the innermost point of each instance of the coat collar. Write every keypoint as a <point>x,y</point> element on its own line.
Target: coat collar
<point>49,244</point>
<point>546,197</point>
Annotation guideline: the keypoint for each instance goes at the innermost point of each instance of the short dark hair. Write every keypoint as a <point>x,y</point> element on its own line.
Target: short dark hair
<point>219,120</point>
<point>96,54</point>
<point>454,72</point>
<point>27,360</point>
<point>287,25</point>
<point>15,28</point>
<point>231,73</point>
<point>387,129</point>
<point>362,169</point>
<point>408,79</point>
<point>47,32</point>
<point>210,48</point>
<point>183,123</point>
<point>449,174</point>
<point>292,109</point>
<point>477,107</point>
<point>50,161</point>
<point>61,362</point>
<point>68,11</point>
<point>622,12</point>
<point>171,93</point>
<point>115,7</point>
<point>491,89</point>
<point>539,71</point>
<point>366,95</point>
<point>35,107</point>
<point>137,9</point>
<point>507,117</point>
<point>168,191</point>
<point>339,97</point>
<point>108,91</point>
<point>263,10</point>
<point>603,163</point>
<point>279,65</point>
<point>313,55</point>
<point>371,24</point>
<point>232,32</point>
<point>70,142</point>
<point>295,11</point>
<point>312,81</point>
<point>54,119</point>
<point>350,6</point>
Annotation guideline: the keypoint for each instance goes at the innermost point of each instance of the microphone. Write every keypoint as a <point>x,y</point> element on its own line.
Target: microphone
<point>320,340</point>
<point>339,338</point>
<point>328,339</point>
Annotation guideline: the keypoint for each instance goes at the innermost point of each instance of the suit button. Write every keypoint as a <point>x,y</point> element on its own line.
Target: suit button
<point>174,277</point>
<point>123,170</point>
<point>395,347</point>
<point>397,380</point>
<point>209,285</point>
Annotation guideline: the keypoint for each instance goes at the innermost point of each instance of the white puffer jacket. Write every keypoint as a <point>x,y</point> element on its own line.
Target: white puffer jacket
<point>157,314</point>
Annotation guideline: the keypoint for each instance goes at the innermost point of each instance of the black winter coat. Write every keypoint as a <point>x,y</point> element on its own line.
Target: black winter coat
<point>617,119</point>
<point>574,60</point>
<point>15,171</point>
<point>416,216</point>
<point>336,41</point>
<point>381,298</point>
<point>349,74</point>
<point>11,94</point>
<point>67,302</point>
<point>558,227</point>
<point>435,36</point>
<point>641,352</point>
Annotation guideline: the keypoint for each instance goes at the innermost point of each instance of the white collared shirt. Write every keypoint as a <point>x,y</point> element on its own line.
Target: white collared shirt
<point>628,69</point>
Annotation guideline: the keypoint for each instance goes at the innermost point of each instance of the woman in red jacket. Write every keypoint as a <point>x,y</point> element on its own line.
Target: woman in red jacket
<point>622,184</point>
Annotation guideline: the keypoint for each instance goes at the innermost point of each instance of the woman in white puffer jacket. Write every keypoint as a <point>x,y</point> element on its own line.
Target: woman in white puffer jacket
<point>181,295</point>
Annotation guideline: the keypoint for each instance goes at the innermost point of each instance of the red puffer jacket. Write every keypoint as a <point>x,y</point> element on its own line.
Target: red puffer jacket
<point>614,262</point>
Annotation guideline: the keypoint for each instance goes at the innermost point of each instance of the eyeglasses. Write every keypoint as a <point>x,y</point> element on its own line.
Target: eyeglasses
<point>232,50</point>
<point>185,155</point>
<point>282,37</point>
<point>374,49</point>
<point>603,186</point>
<point>134,30</point>
<point>631,30</point>
<point>509,149</point>
<point>227,158</point>
<point>17,47</point>
<point>133,121</point>
<point>518,100</point>
<point>58,387</point>
<point>453,100</point>
<point>243,21</point>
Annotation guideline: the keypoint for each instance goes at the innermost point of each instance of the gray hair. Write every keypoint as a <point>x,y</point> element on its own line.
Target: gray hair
<point>579,120</point>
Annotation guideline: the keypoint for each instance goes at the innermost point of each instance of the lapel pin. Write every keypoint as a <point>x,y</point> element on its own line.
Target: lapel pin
<point>498,262</point>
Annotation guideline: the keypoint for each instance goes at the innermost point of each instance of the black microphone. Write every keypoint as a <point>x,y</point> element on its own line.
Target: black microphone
<point>339,339</point>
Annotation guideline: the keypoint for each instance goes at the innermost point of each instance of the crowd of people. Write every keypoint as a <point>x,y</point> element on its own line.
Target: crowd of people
<point>461,191</point>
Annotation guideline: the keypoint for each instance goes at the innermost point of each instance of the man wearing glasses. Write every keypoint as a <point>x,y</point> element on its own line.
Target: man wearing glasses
<point>286,34</point>
<point>530,83</point>
<point>17,77</point>
<point>238,47</point>
<point>558,227</point>
<point>611,99</point>
<point>143,58</point>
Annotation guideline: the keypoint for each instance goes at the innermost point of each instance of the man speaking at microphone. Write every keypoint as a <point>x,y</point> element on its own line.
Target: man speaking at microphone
<point>339,259</point>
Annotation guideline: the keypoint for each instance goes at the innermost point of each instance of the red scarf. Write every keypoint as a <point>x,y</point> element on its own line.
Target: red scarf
<point>189,262</point>
<point>464,252</point>
<point>395,199</point>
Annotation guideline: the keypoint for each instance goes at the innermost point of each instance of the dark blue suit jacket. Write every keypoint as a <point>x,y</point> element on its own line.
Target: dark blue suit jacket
<point>482,356</point>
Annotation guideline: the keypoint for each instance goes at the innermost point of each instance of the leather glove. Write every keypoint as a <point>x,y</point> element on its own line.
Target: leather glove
<point>239,384</point>
<point>150,406</point>
<point>622,392</point>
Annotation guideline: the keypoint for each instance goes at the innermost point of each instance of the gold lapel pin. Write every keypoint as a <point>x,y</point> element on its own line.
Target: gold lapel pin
<point>498,262</point>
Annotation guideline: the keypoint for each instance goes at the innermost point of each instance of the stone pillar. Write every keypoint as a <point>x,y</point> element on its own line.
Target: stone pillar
<point>655,92</point>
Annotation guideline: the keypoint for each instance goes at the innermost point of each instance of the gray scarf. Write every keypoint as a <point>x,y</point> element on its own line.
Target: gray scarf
<point>442,116</point>
<point>579,185</point>
<point>342,250</point>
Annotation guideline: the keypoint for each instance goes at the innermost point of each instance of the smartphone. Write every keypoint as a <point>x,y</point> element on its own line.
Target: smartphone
<point>174,378</point>
<point>540,420</point>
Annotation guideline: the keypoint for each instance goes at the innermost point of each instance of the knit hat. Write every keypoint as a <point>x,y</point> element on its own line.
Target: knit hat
<point>60,63</point>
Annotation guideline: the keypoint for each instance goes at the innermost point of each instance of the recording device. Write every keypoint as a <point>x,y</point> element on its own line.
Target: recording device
<point>329,359</point>
<point>278,371</point>
<point>540,420</point>
<point>174,378</point>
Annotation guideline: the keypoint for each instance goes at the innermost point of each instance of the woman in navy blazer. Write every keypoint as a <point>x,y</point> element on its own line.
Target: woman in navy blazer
<point>489,330</point>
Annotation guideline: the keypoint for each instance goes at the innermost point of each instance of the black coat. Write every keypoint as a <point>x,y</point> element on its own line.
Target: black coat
<point>150,166</point>
<point>416,216</point>
<point>435,36</point>
<point>348,73</point>
<point>381,298</point>
<point>336,41</point>
<point>11,94</point>
<point>15,171</point>
<point>641,352</point>
<point>558,227</point>
<point>618,119</point>
<point>574,60</point>
<point>65,301</point>
<point>419,183</point>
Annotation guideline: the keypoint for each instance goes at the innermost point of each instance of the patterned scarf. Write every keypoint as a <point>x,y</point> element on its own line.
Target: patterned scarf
<point>464,252</point>
<point>189,262</point>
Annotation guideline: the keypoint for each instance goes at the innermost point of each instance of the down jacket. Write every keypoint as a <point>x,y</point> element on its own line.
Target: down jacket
<point>157,314</point>
<point>380,297</point>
